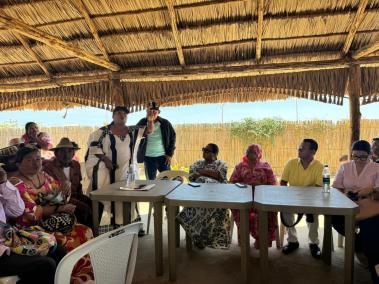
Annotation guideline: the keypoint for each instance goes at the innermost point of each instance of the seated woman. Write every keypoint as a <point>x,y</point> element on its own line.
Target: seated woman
<point>30,180</point>
<point>67,171</point>
<point>39,268</point>
<point>359,180</point>
<point>254,171</point>
<point>42,139</point>
<point>207,226</point>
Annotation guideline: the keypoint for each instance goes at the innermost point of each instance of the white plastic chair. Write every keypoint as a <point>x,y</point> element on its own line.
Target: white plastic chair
<point>113,257</point>
<point>9,280</point>
<point>169,175</point>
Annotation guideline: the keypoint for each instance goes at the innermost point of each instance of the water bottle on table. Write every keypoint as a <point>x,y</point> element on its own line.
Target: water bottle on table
<point>326,179</point>
<point>130,177</point>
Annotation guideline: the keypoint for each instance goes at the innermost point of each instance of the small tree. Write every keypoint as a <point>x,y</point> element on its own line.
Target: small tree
<point>262,130</point>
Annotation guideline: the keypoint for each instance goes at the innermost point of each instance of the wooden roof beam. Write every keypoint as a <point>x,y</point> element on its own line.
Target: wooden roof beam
<point>365,51</point>
<point>84,11</point>
<point>258,46</point>
<point>359,16</point>
<point>32,53</point>
<point>175,32</point>
<point>54,42</point>
<point>175,74</point>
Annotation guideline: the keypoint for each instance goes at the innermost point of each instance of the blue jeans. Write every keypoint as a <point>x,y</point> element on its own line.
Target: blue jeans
<point>152,164</point>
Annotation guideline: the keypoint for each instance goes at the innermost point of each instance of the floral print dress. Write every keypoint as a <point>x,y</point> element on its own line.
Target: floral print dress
<point>80,234</point>
<point>209,227</point>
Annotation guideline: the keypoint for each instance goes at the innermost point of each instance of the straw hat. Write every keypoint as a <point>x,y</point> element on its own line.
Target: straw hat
<point>65,143</point>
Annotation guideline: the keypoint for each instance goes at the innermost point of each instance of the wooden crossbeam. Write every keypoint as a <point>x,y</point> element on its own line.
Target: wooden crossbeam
<point>175,32</point>
<point>54,42</point>
<point>258,47</point>
<point>32,53</point>
<point>176,73</point>
<point>359,16</point>
<point>367,50</point>
<point>84,11</point>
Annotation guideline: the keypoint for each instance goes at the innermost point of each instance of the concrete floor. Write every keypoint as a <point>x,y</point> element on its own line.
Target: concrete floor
<point>210,266</point>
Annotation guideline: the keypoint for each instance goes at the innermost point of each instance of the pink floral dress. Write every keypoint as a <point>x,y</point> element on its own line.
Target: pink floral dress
<point>80,234</point>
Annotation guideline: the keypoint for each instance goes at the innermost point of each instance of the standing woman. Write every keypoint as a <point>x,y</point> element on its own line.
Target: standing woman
<point>254,171</point>
<point>42,139</point>
<point>207,226</point>
<point>110,153</point>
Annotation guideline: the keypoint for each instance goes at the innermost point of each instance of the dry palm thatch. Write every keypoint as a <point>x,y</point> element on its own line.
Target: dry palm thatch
<point>105,52</point>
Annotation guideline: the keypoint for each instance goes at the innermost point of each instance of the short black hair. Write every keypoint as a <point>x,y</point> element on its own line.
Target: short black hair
<point>24,150</point>
<point>361,145</point>
<point>121,108</point>
<point>28,124</point>
<point>213,147</point>
<point>312,143</point>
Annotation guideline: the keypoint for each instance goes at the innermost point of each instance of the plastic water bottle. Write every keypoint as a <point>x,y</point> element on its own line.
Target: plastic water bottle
<point>326,179</point>
<point>130,177</point>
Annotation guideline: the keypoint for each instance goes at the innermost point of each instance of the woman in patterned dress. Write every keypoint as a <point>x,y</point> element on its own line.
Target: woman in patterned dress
<point>30,180</point>
<point>254,171</point>
<point>207,226</point>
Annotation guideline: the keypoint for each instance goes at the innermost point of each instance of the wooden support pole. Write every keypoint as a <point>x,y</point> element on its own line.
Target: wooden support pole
<point>31,52</point>
<point>258,47</point>
<point>367,50</point>
<point>355,90</point>
<point>116,90</point>
<point>54,42</point>
<point>175,32</point>
<point>359,16</point>
<point>84,11</point>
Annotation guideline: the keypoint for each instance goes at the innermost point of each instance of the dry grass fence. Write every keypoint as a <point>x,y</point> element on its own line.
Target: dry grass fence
<point>333,141</point>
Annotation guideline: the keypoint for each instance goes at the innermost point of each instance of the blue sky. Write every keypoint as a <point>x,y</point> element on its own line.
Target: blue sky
<point>291,109</point>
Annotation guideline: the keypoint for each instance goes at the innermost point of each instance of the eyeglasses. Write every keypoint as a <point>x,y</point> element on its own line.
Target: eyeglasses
<point>359,158</point>
<point>206,150</point>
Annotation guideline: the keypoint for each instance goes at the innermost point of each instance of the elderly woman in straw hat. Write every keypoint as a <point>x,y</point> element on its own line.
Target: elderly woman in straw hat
<point>66,170</point>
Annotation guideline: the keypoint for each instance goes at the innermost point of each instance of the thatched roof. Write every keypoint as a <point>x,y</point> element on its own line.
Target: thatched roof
<point>107,52</point>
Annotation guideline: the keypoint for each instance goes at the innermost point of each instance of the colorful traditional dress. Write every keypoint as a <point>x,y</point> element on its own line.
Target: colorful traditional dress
<point>207,226</point>
<point>257,174</point>
<point>80,234</point>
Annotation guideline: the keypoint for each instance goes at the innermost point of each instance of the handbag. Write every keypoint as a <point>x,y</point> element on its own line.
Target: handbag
<point>30,241</point>
<point>61,222</point>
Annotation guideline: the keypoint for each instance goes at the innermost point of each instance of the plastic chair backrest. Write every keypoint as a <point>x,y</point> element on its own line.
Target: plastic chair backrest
<point>113,257</point>
<point>172,175</point>
<point>9,280</point>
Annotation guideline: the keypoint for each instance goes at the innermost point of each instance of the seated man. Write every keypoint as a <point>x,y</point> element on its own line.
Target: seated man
<point>67,171</point>
<point>303,171</point>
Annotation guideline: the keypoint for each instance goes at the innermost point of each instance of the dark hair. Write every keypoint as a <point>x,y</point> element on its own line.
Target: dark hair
<point>25,149</point>
<point>312,143</point>
<point>121,108</point>
<point>361,145</point>
<point>27,125</point>
<point>213,147</point>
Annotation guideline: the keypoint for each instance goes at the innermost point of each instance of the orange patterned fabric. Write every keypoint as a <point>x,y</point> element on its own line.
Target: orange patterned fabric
<point>80,234</point>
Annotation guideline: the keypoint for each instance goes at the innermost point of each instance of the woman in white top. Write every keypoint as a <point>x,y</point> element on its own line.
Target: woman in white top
<point>110,153</point>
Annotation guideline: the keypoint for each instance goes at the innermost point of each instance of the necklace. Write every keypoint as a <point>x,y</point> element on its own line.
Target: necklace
<point>32,182</point>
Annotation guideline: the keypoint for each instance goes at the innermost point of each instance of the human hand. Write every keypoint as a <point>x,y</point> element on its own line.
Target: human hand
<point>168,160</point>
<point>365,191</point>
<point>108,163</point>
<point>66,188</point>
